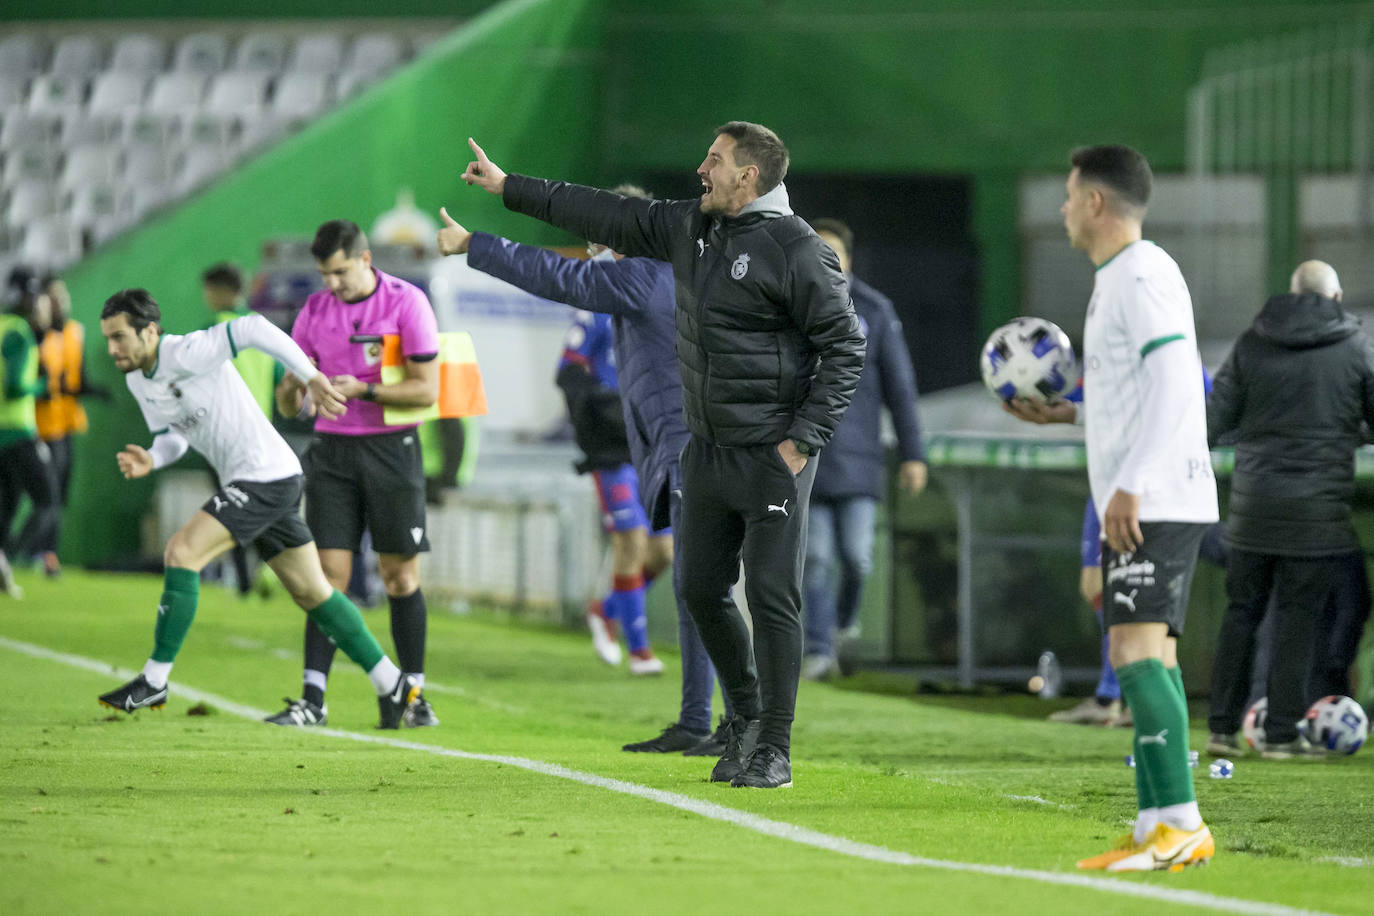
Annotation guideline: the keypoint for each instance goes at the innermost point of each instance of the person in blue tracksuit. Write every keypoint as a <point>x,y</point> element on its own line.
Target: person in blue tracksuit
<point>638,294</point>
<point>590,382</point>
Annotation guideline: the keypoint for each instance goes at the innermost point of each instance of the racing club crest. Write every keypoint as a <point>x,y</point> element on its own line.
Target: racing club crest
<point>740,267</point>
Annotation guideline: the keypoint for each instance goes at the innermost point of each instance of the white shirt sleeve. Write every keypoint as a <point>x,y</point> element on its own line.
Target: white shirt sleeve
<point>257,332</point>
<point>167,447</point>
<point>1161,312</point>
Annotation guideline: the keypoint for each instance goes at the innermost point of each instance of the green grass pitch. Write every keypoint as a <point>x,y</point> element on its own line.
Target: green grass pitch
<point>170,812</point>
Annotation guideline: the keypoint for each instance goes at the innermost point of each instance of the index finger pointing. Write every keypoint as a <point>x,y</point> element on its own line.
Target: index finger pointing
<point>481,154</point>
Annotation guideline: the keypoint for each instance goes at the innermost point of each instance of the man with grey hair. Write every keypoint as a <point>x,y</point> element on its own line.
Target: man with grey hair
<point>1292,395</point>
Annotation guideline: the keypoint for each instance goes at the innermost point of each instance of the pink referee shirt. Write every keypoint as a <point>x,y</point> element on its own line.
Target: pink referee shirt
<point>344,338</point>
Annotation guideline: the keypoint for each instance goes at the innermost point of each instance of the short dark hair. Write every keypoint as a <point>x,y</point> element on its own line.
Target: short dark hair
<point>838,229</point>
<point>759,146</point>
<point>338,235</point>
<point>138,304</point>
<point>1122,169</point>
<point>225,276</point>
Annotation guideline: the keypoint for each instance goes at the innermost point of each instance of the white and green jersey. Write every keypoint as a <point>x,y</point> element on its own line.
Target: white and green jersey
<point>1145,413</point>
<point>195,393</point>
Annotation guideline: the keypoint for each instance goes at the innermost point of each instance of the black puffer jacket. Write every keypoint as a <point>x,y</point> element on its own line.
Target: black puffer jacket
<point>767,339</point>
<point>1294,392</point>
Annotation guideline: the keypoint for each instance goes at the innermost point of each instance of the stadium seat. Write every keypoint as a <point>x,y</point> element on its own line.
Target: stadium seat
<point>207,127</point>
<point>103,228</point>
<point>83,127</point>
<point>29,201</point>
<point>198,165</point>
<point>78,55</point>
<point>374,53</point>
<point>34,162</point>
<point>143,127</point>
<point>300,95</point>
<point>145,163</point>
<point>50,242</point>
<point>262,52</point>
<point>21,55</point>
<point>176,92</point>
<point>59,93</point>
<point>141,199</point>
<point>27,129</point>
<point>316,54</point>
<point>87,164</point>
<point>139,54</point>
<point>91,203</point>
<point>237,93</point>
<point>116,90</point>
<point>351,82</point>
<point>201,52</point>
<point>12,92</point>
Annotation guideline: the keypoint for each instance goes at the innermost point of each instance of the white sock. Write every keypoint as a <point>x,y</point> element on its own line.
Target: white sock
<point>419,678</point>
<point>1185,816</point>
<point>383,676</point>
<point>315,678</point>
<point>1145,823</point>
<point>156,673</point>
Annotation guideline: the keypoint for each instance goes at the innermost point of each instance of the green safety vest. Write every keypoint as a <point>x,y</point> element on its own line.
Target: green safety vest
<point>255,366</point>
<point>17,414</point>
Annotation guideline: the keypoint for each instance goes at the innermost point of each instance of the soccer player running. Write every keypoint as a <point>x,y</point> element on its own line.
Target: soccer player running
<point>770,352</point>
<point>637,294</point>
<point>1145,423</point>
<point>361,472</point>
<point>191,396</point>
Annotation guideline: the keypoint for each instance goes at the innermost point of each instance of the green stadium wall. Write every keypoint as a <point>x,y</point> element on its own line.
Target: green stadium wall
<point>520,77</point>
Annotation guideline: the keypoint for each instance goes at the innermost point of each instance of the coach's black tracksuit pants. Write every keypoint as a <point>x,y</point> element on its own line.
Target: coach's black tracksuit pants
<point>745,501</point>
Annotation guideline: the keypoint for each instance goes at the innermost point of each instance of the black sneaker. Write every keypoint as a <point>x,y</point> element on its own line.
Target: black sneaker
<point>419,714</point>
<point>741,735</point>
<point>137,694</point>
<point>393,705</point>
<point>675,738</point>
<point>769,768</point>
<point>713,745</point>
<point>299,712</point>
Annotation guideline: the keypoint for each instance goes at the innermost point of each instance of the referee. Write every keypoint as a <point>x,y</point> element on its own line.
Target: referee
<point>770,352</point>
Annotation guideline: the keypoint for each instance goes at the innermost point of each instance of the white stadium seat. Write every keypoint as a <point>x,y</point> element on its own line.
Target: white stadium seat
<point>59,93</point>
<point>84,127</point>
<point>27,129</point>
<point>263,52</point>
<point>316,54</point>
<point>238,93</point>
<point>92,203</point>
<point>50,242</point>
<point>202,52</point>
<point>12,90</point>
<point>176,91</point>
<point>300,95</point>
<point>139,54</point>
<point>88,164</point>
<point>146,163</point>
<point>30,201</point>
<point>80,55</point>
<point>116,90</point>
<point>374,53</point>
<point>21,55</point>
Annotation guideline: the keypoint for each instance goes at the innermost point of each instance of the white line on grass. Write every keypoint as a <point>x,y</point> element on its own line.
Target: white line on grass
<point>754,822</point>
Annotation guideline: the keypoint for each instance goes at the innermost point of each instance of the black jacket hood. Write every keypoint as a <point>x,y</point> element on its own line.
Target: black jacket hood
<point>1299,321</point>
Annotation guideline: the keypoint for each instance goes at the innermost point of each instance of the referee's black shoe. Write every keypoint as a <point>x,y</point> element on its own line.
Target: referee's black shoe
<point>741,735</point>
<point>137,694</point>
<point>393,705</point>
<point>769,768</point>
<point>675,739</point>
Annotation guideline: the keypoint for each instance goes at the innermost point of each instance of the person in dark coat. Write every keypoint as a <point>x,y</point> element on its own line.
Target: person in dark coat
<point>770,353</point>
<point>853,477</point>
<point>638,295</point>
<point>1293,394</point>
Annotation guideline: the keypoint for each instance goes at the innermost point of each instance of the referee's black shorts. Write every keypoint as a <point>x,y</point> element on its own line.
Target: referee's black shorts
<point>366,483</point>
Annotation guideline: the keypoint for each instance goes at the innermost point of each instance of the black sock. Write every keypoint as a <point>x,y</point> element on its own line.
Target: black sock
<point>319,655</point>
<point>313,694</point>
<point>408,626</point>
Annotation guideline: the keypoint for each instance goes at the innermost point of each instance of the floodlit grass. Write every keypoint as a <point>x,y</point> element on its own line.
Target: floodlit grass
<point>166,811</point>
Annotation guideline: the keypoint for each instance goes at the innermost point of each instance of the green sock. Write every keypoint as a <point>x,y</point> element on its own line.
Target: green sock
<point>341,622</point>
<point>1176,675</point>
<point>1161,733</point>
<point>175,611</point>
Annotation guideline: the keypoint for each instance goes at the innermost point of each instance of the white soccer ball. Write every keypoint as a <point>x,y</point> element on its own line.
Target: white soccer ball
<point>1337,724</point>
<point>1253,726</point>
<point>1029,358</point>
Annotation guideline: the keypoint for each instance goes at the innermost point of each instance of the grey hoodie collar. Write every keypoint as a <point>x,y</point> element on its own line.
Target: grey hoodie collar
<point>774,203</point>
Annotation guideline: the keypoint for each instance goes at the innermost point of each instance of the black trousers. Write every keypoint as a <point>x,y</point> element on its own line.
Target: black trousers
<point>1300,587</point>
<point>745,502</point>
<point>24,469</point>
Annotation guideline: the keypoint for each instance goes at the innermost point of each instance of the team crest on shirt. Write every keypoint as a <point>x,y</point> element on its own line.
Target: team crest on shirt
<point>373,353</point>
<point>740,267</point>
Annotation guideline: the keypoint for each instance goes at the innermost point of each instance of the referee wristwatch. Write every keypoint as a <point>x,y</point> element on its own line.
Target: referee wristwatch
<point>370,394</point>
<point>803,448</point>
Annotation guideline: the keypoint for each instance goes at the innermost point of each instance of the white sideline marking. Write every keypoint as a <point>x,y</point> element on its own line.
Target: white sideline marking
<point>754,822</point>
